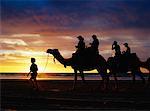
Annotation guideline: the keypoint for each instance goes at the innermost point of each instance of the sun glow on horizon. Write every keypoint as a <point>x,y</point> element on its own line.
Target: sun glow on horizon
<point>22,64</point>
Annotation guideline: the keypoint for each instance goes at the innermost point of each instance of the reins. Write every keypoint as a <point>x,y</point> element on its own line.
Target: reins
<point>46,62</point>
<point>54,60</point>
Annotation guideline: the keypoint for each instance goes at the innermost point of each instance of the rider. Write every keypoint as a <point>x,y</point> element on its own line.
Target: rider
<point>95,44</point>
<point>116,47</point>
<point>128,51</point>
<point>81,45</point>
<point>80,50</point>
<point>126,55</point>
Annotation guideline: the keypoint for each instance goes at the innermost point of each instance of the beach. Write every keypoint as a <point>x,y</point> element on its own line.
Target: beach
<point>18,94</point>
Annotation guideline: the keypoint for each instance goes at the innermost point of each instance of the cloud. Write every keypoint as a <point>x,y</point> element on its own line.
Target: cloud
<point>66,37</point>
<point>9,54</point>
<point>38,43</point>
<point>70,17</point>
<point>17,42</point>
<point>25,35</point>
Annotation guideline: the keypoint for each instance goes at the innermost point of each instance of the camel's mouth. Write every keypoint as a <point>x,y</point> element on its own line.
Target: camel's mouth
<point>52,51</point>
<point>49,51</point>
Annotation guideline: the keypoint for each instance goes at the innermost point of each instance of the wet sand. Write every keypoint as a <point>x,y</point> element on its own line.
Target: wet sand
<point>58,94</point>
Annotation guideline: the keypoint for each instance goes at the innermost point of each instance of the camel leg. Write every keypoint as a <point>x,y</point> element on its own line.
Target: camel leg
<point>149,77</point>
<point>75,78</point>
<point>105,79</point>
<point>133,77</point>
<point>82,76</point>
<point>100,75</point>
<point>116,80</point>
<point>139,73</point>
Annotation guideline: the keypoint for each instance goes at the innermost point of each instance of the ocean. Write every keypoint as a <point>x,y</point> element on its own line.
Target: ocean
<point>66,76</point>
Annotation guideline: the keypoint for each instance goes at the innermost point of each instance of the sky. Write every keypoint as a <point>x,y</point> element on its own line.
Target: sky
<point>29,27</point>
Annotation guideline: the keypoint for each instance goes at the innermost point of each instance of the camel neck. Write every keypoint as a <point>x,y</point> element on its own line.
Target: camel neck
<point>60,58</point>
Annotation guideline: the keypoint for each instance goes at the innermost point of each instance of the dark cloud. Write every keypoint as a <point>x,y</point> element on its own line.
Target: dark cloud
<point>65,15</point>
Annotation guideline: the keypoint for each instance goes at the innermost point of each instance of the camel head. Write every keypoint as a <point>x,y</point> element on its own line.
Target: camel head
<point>57,55</point>
<point>52,51</point>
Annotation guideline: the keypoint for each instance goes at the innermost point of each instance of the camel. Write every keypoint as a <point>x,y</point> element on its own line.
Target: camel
<point>84,63</point>
<point>123,64</point>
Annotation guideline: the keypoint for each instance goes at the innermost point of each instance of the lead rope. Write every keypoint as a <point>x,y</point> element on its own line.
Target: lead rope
<point>54,60</point>
<point>46,62</point>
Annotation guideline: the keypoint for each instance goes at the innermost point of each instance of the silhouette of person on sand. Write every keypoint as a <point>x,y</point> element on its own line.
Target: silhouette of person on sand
<point>33,72</point>
<point>95,44</point>
<point>128,51</point>
<point>116,47</point>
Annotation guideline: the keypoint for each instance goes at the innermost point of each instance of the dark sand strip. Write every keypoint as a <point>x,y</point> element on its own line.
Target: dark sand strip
<point>19,95</point>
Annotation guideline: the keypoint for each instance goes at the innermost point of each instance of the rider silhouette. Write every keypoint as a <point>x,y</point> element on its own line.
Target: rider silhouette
<point>81,45</point>
<point>95,44</point>
<point>80,50</point>
<point>128,51</point>
<point>116,47</point>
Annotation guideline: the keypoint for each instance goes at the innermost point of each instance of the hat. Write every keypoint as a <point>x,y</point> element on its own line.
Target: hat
<point>126,44</point>
<point>80,38</point>
<point>115,42</point>
<point>94,36</point>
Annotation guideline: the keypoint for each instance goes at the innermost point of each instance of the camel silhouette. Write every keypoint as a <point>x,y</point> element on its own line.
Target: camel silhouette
<point>127,63</point>
<point>83,63</point>
<point>90,61</point>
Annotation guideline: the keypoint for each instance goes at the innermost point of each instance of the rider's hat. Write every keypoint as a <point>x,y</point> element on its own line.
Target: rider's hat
<point>80,37</point>
<point>94,36</point>
<point>115,42</point>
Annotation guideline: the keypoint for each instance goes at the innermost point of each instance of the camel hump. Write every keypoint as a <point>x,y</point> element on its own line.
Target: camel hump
<point>87,53</point>
<point>148,60</point>
<point>88,56</point>
<point>133,54</point>
<point>91,52</point>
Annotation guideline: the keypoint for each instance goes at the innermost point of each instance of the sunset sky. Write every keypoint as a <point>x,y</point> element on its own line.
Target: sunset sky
<point>29,27</point>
